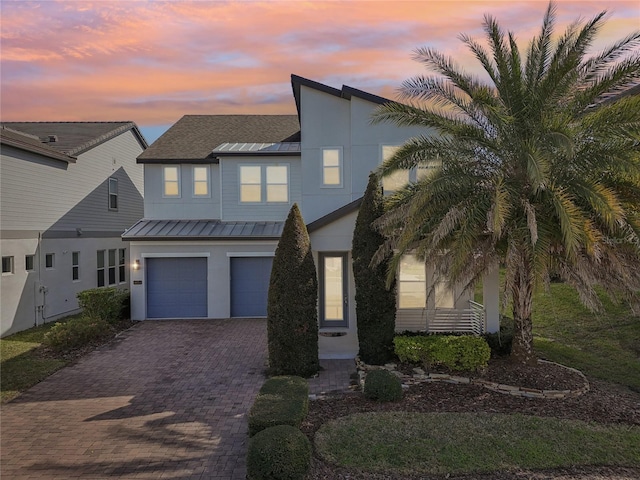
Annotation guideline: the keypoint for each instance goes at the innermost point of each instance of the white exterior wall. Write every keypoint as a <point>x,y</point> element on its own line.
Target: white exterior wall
<point>185,207</point>
<point>233,210</point>
<point>218,256</point>
<point>337,237</point>
<point>45,204</point>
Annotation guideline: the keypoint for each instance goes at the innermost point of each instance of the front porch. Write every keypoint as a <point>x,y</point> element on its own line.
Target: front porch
<point>442,320</point>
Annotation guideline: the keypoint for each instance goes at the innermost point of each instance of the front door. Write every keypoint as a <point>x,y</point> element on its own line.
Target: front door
<point>334,294</point>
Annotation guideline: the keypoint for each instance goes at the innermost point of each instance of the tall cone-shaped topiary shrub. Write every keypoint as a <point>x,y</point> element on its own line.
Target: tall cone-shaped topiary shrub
<point>375,303</point>
<point>292,316</point>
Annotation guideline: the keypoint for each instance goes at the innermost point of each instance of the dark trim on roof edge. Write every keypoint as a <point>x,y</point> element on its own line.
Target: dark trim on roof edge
<point>346,92</point>
<point>108,136</point>
<point>257,154</point>
<point>335,215</point>
<point>174,161</point>
<point>44,150</point>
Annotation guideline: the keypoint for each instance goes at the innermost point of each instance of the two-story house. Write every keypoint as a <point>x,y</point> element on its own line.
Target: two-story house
<point>218,189</point>
<point>68,191</point>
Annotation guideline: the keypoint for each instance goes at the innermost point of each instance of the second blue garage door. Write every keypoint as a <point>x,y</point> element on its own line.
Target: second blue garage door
<point>176,287</point>
<point>250,286</point>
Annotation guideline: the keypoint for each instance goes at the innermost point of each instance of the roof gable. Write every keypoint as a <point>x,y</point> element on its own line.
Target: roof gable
<point>194,137</point>
<point>75,138</point>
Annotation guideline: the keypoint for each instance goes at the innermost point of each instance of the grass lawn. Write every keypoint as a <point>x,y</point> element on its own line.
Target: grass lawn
<point>21,364</point>
<point>463,443</point>
<point>604,345</point>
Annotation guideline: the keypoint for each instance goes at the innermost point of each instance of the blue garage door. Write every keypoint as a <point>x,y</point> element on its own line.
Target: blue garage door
<point>176,287</point>
<point>250,286</point>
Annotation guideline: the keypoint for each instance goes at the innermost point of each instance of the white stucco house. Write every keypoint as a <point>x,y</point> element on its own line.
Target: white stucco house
<point>67,192</point>
<point>218,189</point>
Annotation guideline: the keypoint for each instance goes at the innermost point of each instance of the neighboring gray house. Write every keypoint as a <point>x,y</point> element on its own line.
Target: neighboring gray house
<point>68,191</point>
<point>219,187</point>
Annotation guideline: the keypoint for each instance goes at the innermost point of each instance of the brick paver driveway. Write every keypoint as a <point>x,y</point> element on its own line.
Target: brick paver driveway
<point>167,399</point>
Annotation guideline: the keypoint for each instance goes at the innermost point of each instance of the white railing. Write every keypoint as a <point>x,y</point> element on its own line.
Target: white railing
<point>468,320</point>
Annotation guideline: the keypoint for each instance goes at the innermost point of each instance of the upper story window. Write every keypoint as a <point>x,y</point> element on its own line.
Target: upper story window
<point>113,194</point>
<point>201,182</point>
<point>75,266</point>
<point>331,167</point>
<point>7,265</point>
<point>264,183</point>
<point>400,178</point>
<point>171,181</point>
<point>50,260</point>
<point>29,262</point>
<point>412,283</point>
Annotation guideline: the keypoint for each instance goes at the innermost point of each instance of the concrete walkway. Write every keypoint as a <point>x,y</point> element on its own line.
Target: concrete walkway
<point>167,399</point>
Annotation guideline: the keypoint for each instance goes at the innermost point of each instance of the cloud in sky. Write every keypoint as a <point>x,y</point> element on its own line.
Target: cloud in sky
<point>153,61</point>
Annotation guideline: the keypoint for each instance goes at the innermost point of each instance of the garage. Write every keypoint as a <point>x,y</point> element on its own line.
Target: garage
<point>250,286</point>
<point>176,287</point>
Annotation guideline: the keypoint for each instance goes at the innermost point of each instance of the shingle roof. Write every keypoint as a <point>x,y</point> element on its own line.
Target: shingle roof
<point>194,137</point>
<point>203,230</point>
<point>31,143</point>
<point>74,138</point>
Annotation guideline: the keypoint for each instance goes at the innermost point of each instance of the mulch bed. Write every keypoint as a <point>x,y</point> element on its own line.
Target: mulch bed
<point>603,403</point>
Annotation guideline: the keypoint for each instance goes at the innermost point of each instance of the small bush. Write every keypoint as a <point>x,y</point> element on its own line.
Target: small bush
<point>500,342</point>
<point>76,333</point>
<point>281,401</point>
<point>383,386</point>
<point>278,453</point>
<point>462,353</point>
<point>104,303</point>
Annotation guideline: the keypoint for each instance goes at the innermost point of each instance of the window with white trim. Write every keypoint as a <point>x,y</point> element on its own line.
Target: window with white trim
<point>113,194</point>
<point>171,181</point>
<point>29,262</point>
<point>424,170</point>
<point>7,265</point>
<point>50,260</point>
<point>112,266</point>
<point>201,181</point>
<point>75,266</point>
<point>412,283</point>
<point>331,167</point>
<point>397,179</point>
<point>122,271</point>
<point>101,267</point>
<point>264,183</point>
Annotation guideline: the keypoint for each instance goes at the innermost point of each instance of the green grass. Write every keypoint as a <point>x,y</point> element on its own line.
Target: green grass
<point>21,363</point>
<point>465,443</point>
<point>604,345</point>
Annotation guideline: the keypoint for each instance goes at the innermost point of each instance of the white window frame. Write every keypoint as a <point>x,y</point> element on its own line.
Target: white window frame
<point>122,265</point>
<point>75,266</point>
<point>113,193</point>
<point>46,261</point>
<point>112,253</point>
<point>264,185</point>
<point>422,281</point>
<point>33,263</point>
<point>11,264</point>
<point>194,182</point>
<point>101,271</point>
<point>339,167</point>
<point>164,181</point>
<point>386,181</point>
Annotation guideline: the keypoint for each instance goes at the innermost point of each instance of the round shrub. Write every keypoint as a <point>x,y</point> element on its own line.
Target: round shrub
<point>383,386</point>
<point>76,333</point>
<point>278,453</point>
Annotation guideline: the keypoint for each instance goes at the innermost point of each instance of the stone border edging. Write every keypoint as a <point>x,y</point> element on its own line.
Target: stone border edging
<point>420,376</point>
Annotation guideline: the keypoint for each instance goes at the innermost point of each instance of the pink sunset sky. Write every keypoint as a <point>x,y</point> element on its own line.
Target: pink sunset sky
<point>154,61</point>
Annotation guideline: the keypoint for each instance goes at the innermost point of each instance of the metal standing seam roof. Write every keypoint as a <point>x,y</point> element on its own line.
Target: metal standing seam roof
<point>281,147</point>
<point>203,230</point>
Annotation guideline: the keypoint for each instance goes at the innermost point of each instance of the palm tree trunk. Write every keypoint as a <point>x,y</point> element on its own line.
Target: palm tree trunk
<point>522,291</point>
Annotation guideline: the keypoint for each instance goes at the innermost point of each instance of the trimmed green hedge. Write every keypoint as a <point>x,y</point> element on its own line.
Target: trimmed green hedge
<point>462,353</point>
<point>282,400</point>
<point>76,333</point>
<point>278,453</point>
<point>383,386</point>
<point>106,304</point>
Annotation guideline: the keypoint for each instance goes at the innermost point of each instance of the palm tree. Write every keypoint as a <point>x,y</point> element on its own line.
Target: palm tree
<point>539,169</point>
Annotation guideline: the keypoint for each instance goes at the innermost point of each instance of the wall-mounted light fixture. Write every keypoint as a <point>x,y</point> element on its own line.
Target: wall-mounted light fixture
<point>136,265</point>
